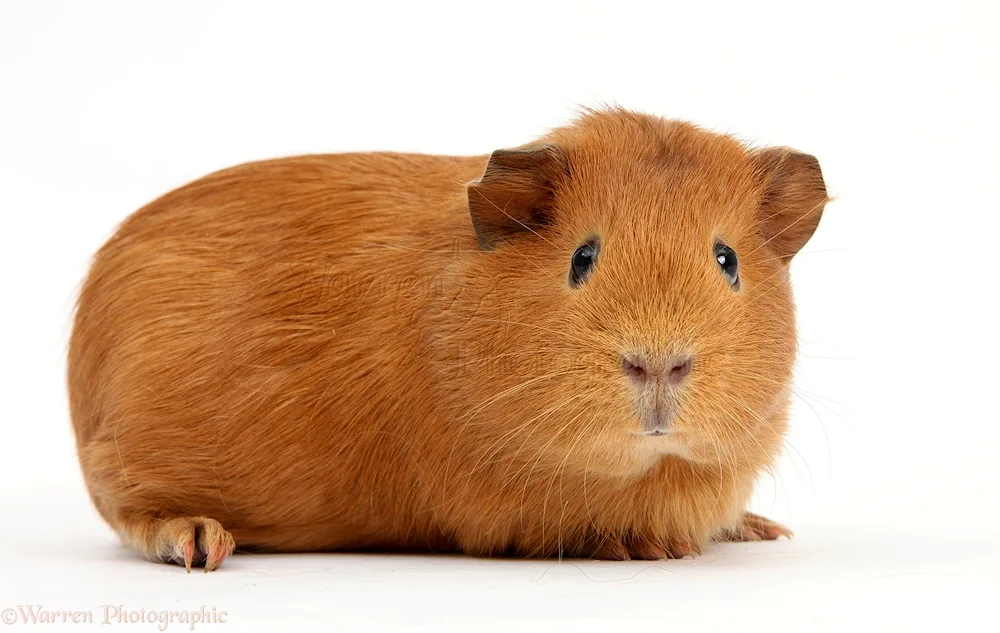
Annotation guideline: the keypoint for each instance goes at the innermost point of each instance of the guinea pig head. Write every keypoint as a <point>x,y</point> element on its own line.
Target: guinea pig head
<point>633,297</point>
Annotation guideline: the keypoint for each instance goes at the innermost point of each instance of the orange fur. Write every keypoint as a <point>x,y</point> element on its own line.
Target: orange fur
<point>317,354</point>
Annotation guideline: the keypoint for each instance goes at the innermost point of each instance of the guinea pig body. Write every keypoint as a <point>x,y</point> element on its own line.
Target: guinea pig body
<point>579,347</point>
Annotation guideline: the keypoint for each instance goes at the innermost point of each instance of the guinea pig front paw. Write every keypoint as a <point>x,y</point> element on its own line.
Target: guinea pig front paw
<point>643,548</point>
<point>194,541</point>
<point>754,527</point>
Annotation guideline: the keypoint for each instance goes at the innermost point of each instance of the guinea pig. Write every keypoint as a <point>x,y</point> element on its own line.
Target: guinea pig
<point>579,347</point>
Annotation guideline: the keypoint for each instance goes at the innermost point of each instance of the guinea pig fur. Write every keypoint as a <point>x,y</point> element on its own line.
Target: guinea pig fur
<point>578,347</point>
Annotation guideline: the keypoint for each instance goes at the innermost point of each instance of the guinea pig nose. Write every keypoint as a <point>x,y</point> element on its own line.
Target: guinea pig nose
<point>635,368</point>
<point>671,370</point>
<point>678,369</point>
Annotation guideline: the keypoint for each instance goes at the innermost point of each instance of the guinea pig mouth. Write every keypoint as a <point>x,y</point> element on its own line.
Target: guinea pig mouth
<point>658,432</point>
<point>657,414</point>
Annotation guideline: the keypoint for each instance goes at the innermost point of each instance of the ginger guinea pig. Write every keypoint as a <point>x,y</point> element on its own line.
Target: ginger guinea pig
<point>579,347</point>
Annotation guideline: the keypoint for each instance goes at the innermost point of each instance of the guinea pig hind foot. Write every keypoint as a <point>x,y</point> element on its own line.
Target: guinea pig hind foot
<point>187,541</point>
<point>753,527</point>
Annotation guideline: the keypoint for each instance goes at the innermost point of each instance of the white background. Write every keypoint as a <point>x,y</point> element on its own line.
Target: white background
<point>891,474</point>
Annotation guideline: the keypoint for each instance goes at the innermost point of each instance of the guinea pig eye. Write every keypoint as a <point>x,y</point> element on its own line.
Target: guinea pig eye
<point>728,263</point>
<point>583,262</point>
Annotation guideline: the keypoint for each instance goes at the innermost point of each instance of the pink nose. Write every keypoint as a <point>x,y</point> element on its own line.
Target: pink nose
<point>671,370</point>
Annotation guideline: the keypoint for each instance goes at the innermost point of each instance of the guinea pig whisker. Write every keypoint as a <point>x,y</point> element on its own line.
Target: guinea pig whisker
<point>562,488</point>
<point>803,216</point>
<point>513,459</point>
<point>809,473</point>
<point>758,297</point>
<point>533,262</point>
<point>512,435</point>
<point>822,401</point>
<point>731,463</point>
<point>586,500</point>
<point>518,387</point>
<point>822,250</point>
<point>765,423</point>
<point>523,225</point>
<point>719,448</point>
<point>779,271</point>
<point>822,426</point>
<point>775,476</point>
<point>509,434</point>
<point>410,249</point>
<point>536,327</point>
<point>560,470</point>
<point>535,353</point>
<point>538,456</point>
<point>749,434</point>
<point>472,413</point>
<point>803,396</point>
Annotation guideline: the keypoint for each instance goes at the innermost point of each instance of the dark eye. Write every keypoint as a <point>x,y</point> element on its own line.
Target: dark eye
<point>728,263</point>
<point>583,261</point>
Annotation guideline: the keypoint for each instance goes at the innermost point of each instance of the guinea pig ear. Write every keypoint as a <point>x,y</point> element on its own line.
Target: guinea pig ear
<point>516,192</point>
<point>794,195</point>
